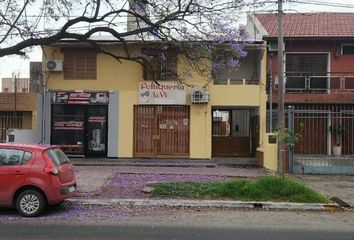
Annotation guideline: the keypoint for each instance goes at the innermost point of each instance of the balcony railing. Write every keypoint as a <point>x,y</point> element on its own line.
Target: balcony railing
<point>235,82</point>
<point>332,82</point>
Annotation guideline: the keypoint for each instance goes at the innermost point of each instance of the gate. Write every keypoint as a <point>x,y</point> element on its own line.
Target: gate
<point>233,131</point>
<point>161,131</point>
<point>315,152</point>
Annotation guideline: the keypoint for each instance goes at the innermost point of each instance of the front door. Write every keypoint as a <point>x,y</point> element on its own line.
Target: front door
<point>161,131</point>
<point>231,133</point>
<point>96,131</point>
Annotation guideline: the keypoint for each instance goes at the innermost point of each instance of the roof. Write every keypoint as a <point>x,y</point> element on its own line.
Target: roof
<point>300,25</point>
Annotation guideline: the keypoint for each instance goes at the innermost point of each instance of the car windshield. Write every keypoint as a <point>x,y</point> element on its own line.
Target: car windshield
<point>57,156</point>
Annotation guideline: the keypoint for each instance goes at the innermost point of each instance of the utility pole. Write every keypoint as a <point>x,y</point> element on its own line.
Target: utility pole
<point>280,89</point>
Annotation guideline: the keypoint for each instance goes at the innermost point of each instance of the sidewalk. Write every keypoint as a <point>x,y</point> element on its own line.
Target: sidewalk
<point>337,186</point>
<point>93,178</point>
<point>130,180</point>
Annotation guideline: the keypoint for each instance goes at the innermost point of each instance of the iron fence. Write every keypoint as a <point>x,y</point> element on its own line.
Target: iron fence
<point>9,120</point>
<point>325,144</point>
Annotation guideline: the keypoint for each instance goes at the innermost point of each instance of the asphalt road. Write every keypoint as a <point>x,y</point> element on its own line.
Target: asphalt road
<point>44,231</point>
<point>176,223</point>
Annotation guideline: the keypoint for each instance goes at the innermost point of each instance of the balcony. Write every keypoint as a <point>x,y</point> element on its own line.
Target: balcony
<point>333,88</point>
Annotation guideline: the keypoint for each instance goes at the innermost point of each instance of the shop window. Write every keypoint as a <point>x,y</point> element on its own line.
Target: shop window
<point>80,64</point>
<point>161,63</point>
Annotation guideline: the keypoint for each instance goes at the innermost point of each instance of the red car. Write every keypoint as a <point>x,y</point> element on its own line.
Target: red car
<point>34,176</point>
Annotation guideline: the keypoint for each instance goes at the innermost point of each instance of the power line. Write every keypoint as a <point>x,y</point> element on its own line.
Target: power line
<point>326,4</point>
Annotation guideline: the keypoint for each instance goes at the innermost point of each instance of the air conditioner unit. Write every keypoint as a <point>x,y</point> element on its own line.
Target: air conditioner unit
<point>200,96</point>
<point>54,65</point>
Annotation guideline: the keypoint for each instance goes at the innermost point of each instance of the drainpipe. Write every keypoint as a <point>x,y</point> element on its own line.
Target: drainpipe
<point>270,94</point>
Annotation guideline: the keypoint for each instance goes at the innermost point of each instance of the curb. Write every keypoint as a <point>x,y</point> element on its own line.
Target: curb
<point>212,203</point>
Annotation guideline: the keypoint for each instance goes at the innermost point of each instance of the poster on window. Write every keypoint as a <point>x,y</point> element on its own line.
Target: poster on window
<point>69,135</point>
<point>162,93</point>
<point>96,133</point>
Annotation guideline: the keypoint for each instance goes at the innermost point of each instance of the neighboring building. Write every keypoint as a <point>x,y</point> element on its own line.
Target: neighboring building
<point>11,85</point>
<point>319,70</point>
<point>111,109</point>
<point>35,84</point>
<point>17,111</point>
<point>20,110</point>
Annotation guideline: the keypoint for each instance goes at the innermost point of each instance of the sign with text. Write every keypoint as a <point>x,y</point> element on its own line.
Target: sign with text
<point>163,93</point>
<point>80,97</point>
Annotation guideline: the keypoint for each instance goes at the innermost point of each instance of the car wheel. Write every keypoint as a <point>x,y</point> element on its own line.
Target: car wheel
<point>30,203</point>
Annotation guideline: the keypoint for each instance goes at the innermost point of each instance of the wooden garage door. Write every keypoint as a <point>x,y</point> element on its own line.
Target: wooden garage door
<point>161,131</point>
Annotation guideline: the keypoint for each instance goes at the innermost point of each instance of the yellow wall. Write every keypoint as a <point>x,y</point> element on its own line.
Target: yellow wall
<point>124,78</point>
<point>270,151</point>
<point>28,120</point>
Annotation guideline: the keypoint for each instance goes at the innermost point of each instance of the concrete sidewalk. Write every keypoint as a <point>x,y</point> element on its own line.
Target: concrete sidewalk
<point>93,178</point>
<point>337,186</point>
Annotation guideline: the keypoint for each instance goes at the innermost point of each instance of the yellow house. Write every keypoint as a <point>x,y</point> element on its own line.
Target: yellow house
<point>102,107</point>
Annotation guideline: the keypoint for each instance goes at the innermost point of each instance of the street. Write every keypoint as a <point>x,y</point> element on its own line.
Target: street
<point>180,223</point>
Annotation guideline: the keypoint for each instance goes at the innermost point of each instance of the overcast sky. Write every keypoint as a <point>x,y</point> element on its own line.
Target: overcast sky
<point>20,66</point>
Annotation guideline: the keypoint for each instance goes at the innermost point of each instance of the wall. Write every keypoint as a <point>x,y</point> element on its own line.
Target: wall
<point>270,153</point>
<point>124,78</point>
<point>21,83</point>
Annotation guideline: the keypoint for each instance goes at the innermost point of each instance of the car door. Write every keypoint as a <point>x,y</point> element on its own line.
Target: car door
<point>14,167</point>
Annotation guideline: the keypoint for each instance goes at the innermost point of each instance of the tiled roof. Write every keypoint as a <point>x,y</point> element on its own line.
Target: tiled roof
<point>310,24</point>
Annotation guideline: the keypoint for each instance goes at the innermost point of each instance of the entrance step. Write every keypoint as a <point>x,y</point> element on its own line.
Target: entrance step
<point>144,162</point>
<point>235,162</point>
<point>153,162</point>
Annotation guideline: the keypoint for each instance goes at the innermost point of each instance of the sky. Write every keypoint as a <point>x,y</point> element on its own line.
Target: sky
<point>20,67</point>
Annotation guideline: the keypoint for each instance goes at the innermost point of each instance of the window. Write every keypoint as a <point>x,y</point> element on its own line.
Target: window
<point>80,64</point>
<point>57,156</point>
<point>13,157</point>
<point>348,49</point>
<point>161,64</point>
<point>306,71</point>
<point>6,89</point>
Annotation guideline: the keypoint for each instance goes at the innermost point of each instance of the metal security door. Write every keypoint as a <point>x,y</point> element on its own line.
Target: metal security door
<point>161,131</point>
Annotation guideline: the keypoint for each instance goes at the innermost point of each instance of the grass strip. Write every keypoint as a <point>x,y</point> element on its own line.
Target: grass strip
<point>267,188</point>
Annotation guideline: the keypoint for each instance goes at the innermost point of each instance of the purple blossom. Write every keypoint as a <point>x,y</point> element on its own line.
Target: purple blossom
<point>234,63</point>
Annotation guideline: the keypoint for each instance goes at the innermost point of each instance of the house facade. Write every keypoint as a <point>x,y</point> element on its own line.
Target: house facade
<point>98,106</point>
<point>319,70</point>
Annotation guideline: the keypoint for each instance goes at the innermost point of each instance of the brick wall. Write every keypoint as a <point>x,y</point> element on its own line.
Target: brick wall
<point>24,102</point>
